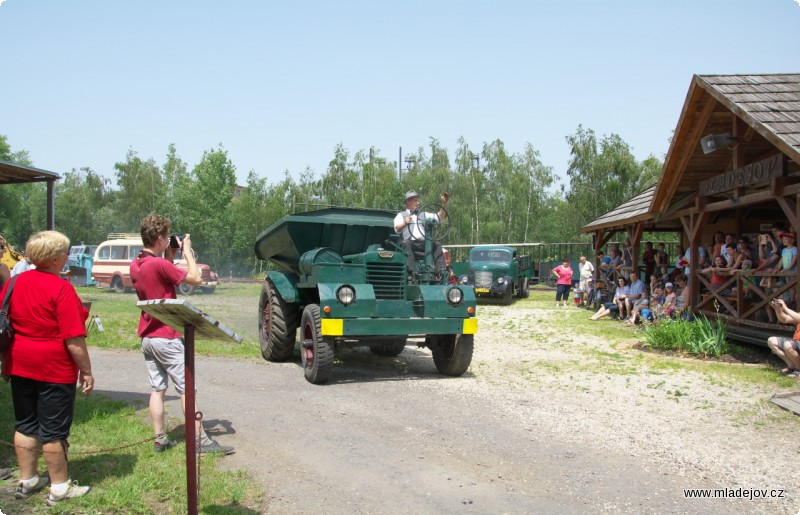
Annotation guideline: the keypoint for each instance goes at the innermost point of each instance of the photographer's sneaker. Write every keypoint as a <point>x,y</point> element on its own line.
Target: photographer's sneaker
<point>162,443</point>
<point>73,491</point>
<point>24,492</point>
<point>212,447</point>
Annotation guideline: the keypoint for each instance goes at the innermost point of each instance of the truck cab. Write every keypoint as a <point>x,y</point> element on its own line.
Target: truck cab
<point>498,271</point>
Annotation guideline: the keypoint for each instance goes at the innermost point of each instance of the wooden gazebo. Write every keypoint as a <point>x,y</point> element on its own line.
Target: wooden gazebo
<point>733,166</point>
<point>12,173</point>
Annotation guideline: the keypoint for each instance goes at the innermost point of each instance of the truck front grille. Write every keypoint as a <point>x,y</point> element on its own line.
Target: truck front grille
<point>483,279</point>
<point>387,279</point>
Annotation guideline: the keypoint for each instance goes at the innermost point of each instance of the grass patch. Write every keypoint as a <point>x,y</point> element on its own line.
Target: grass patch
<point>235,305</point>
<point>136,480</point>
<point>131,480</point>
<point>700,337</point>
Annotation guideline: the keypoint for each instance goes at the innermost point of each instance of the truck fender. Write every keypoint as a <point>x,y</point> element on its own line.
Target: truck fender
<point>286,285</point>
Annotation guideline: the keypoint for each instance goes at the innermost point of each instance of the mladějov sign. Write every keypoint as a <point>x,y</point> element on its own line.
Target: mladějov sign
<point>760,171</point>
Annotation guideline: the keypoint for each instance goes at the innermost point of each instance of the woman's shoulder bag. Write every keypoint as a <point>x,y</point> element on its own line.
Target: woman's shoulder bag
<point>6,332</point>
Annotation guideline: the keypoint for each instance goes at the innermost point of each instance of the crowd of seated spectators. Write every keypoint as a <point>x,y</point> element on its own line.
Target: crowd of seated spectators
<point>620,294</point>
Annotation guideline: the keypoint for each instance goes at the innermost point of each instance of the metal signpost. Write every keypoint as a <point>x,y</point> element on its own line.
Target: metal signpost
<point>182,316</point>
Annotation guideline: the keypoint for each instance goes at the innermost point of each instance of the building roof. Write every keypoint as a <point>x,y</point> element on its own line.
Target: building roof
<point>630,211</point>
<point>12,173</point>
<point>766,109</point>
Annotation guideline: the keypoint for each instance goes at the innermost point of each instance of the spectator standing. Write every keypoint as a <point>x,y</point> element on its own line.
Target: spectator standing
<point>586,269</point>
<point>564,274</point>
<point>788,262</point>
<point>649,260</point>
<point>662,259</point>
<point>5,273</point>
<point>769,249</point>
<point>719,245</point>
<point>604,263</point>
<point>22,266</point>
<point>687,259</point>
<point>47,358</point>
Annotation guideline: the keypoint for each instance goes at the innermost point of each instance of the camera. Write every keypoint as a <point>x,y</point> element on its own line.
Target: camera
<point>176,241</point>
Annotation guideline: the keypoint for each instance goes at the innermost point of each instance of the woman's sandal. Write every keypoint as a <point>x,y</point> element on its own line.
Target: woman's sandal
<point>787,370</point>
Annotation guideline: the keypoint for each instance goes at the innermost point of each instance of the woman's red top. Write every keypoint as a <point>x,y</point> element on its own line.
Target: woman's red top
<point>45,311</point>
<point>564,275</point>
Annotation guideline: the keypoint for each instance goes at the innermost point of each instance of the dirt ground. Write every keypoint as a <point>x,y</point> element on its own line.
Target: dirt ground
<point>543,422</point>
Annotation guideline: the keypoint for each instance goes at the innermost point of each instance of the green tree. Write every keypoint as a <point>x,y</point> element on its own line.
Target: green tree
<point>341,185</point>
<point>80,201</point>
<point>603,175</point>
<point>176,178</point>
<point>204,208</point>
<point>140,192</point>
<point>23,207</point>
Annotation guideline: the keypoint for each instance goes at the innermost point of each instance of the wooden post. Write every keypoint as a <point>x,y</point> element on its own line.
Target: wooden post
<point>190,416</point>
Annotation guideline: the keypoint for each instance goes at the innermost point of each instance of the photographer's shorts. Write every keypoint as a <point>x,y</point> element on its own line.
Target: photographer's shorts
<point>782,341</point>
<point>42,409</point>
<point>165,360</point>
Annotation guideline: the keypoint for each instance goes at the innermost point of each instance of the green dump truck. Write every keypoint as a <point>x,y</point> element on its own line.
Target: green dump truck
<point>343,281</point>
<point>497,271</point>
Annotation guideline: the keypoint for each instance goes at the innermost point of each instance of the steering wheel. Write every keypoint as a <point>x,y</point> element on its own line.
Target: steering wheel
<point>434,230</point>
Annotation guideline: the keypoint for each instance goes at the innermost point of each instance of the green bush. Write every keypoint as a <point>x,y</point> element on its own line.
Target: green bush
<point>701,337</point>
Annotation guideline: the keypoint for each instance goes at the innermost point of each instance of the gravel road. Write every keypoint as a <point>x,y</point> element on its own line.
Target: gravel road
<point>526,430</point>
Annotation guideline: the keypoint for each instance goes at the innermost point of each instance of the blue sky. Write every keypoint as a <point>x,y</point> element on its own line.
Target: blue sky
<point>280,84</point>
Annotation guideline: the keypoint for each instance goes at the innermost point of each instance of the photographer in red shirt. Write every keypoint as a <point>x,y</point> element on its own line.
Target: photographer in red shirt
<point>155,277</point>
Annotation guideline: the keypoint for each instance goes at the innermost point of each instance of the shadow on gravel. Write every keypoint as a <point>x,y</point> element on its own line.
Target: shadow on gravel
<point>137,399</point>
<point>228,509</point>
<point>359,365</point>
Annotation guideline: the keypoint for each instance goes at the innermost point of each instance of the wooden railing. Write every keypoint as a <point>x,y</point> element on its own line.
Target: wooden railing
<point>740,308</point>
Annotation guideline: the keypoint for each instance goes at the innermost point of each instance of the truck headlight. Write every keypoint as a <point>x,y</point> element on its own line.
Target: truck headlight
<point>346,294</point>
<point>455,296</point>
<point>464,279</point>
<point>500,280</point>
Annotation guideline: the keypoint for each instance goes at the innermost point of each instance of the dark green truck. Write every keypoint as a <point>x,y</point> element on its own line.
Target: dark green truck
<point>343,281</point>
<point>496,271</point>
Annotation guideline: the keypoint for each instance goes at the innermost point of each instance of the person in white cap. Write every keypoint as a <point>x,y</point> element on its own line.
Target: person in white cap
<point>409,224</point>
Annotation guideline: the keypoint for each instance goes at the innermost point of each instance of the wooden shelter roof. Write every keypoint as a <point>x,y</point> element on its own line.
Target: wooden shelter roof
<point>765,109</point>
<point>634,210</point>
<point>12,173</point>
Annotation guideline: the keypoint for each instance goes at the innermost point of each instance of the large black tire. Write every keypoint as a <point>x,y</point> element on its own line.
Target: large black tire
<point>389,347</point>
<point>316,352</point>
<point>277,324</point>
<point>185,289</point>
<point>208,291</point>
<point>452,353</point>
<point>116,283</point>
<point>523,292</point>
<point>507,294</point>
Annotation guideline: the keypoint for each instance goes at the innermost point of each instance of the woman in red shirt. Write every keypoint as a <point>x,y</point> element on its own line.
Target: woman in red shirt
<point>564,283</point>
<point>47,358</point>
